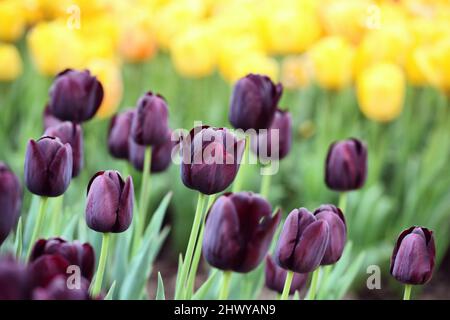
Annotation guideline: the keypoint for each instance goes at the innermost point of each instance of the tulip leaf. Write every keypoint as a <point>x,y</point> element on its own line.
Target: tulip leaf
<point>69,229</point>
<point>110,294</point>
<point>19,238</point>
<point>206,286</point>
<point>160,295</point>
<point>31,219</point>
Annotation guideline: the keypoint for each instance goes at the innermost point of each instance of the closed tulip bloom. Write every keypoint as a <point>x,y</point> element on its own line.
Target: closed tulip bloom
<point>13,279</point>
<point>303,242</point>
<point>238,231</point>
<point>45,268</point>
<point>58,289</point>
<point>414,254</point>
<point>262,144</point>
<point>75,95</point>
<point>10,201</point>
<point>119,133</point>
<point>150,126</point>
<point>109,205</point>
<point>71,133</point>
<point>161,155</point>
<point>76,253</point>
<point>48,166</point>
<point>276,277</point>
<point>254,102</point>
<point>346,165</point>
<point>48,119</point>
<point>338,232</point>
<point>210,159</point>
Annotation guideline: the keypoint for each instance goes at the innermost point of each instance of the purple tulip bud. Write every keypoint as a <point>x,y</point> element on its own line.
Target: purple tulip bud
<point>303,242</point>
<point>45,268</point>
<point>13,279</point>
<point>276,276</point>
<point>58,289</point>
<point>48,166</point>
<point>109,205</point>
<point>338,232</point>
<point>150,125</point>
<point>254,101</point>
<point>414,254</point>
<point>238,231</point>
<point>280,131</point>
<point>161,155</point>
<point>210,159</point>
<point>71,133</point>
<point>119,134</point>
<point>346,165</point>
<point>75,95</point>
<point>49,120</point>
<point>76,253</point>
<point>10,201</point>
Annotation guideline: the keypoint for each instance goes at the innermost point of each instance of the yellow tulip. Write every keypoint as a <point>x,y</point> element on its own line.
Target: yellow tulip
<point>12,20</point>
<point>252,63</point>
<point>295,72</point>
<point>110,76</point>
<point>10,62</point>
<point>332,61</point>
<point>380,91</point>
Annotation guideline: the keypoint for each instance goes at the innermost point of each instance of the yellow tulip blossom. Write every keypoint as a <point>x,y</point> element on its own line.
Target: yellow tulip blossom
<point>332,61</point>
<point>12,20</point>
<point>296,72</point>
<point>380,91</point>
<point>10,62</point>
<point>110,76</point>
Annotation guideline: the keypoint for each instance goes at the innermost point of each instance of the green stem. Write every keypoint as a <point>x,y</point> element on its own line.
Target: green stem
<point>265,185</point>
<point>225,288</point>
<point>38,224</point>
<point>237,185</point>
<point>98,279</point>
<point>407,293</point>
<point>312,289</point>
<point>180,287</point>
<point>287,285</point>
<point>343,201</point>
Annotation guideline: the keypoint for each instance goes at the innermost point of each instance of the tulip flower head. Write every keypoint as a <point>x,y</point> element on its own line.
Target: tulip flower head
<point>109,205</point>
<point>10,63</point>
<point>57,289</point>
<point>119,134</point>
<point>71,133</point>
<point>45,268</point>
<point>48,166</point>
<point>346,165</point>
<point>338,232</point>
<point>238,231</point>
<point>210,159</point>
<point>48,119</point>
<point>75,95</point>
<point>10,201</point>
<point>276,277</point>
<point>161,155</point>
<point>254,102</point>
<point>414,255</point>
<point>13,279</point>
<point>303,242</point>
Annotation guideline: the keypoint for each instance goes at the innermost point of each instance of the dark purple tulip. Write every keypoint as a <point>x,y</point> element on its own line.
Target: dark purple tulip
<point>76,253</point>
<point>303,242</point>
<point>346,165</point>
<point>210,159</point>
<point>338,232</point>
<point>238,231</point>
<point>71,133</point>
<point>276,276</point>
<point>109,205</point>
<point>161,155</point>
<point>13,279</point>
<point>262,144</point>
<point>10,201</point>
<point>414,254</point>
<point>45,268</point>
<point>75,95</point>
<point>150,125</point>
<point>58,289</point>
<point>254,101</point>
<point>48,166</point>
<point>49,120</point>
<point>119,134</point>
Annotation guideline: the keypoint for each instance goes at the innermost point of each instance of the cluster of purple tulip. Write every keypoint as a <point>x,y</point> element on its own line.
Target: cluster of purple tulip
<point>233,232</point>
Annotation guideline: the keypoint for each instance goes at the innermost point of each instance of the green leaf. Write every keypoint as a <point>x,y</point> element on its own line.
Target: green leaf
<point>206,286</point>
<point>110,294</point>
<point>160,291</point>
<point>19,238</point>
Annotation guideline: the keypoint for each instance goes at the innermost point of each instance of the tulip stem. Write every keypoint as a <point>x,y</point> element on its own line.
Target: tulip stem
<point>180,287</point>
<point>342,201</point>
<point>38,224</point>
<point>225,288</point>
<point>265,185</point>
<point>237,185</point>
<point>312,289</point>
<point>407,293</point>
<point>287,285</point>
<point>97,285</point>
